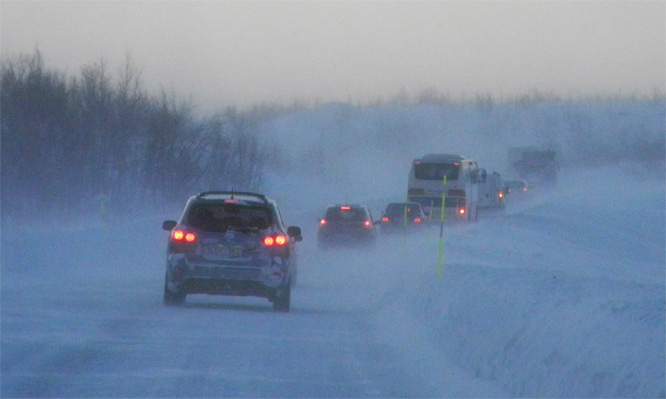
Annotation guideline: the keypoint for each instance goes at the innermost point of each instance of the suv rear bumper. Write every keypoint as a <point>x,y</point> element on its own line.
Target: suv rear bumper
<point>231,280</point>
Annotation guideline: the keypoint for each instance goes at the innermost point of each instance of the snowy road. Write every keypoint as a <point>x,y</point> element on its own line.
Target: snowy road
<point>82,316</point>
<point>544,300</point>
<point>88,334</point>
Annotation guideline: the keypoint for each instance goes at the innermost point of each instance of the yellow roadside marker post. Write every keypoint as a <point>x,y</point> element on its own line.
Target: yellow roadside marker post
<point>440,254</point>
<point>404,220</point>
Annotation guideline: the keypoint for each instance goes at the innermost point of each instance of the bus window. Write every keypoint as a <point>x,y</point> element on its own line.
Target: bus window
<point>436,171</point>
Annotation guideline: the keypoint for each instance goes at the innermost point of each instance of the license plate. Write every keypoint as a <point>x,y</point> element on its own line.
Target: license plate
<point>222,251</point>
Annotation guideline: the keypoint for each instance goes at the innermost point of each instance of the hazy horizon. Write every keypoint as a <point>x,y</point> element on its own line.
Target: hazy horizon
<point>221,53</point>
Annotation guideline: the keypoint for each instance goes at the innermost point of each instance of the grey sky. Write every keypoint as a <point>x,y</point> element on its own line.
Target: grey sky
<point>222,53</point>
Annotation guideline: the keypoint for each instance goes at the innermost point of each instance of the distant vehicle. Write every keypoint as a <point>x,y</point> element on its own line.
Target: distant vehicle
<point>491,191</point>
<point>537,165</point>
<point>400,216</point>
<point>346,225</point>
<point>231,243</point>
<point>454,176</point>
<point>513,187</point>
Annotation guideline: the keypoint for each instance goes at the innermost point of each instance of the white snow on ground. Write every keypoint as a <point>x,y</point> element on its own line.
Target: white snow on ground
<point>560,295</point>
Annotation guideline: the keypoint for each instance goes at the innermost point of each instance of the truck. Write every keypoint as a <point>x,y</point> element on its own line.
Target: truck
<point>449,178</point>
<point>537,165</point>
<point>491,190</point>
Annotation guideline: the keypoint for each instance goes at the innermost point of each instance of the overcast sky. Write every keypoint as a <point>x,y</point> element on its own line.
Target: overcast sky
<point>223,53</point>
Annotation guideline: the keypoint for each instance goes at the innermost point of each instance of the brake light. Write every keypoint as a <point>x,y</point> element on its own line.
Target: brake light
<point>180,235</point>
<point>417,220</point>
<point>278,240</point>
<point>322,222</point>
<point>367,223</point>
<point>345,208</point>
<point>461,211</point>
<point>385,219</point>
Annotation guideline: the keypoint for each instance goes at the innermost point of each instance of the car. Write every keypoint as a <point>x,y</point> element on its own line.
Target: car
<point>346,225</point>
<point>400,216</point>
<point>231,243</point>
<point>516,187</point>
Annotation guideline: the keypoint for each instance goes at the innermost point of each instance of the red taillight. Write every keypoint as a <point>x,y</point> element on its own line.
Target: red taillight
<point>385,219</point>
<point>367,223</point>
<point>417,220</point>
<point>501,194</point>
<point>277,240</point>
<point>180,235</point>
<point>461,211</point>
<point>322,222</point>
<point>525,189</point>
<point>345,208</point>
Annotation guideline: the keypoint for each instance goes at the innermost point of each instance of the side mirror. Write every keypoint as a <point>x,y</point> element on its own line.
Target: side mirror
<point>169,225</point>
<point>295,233</point>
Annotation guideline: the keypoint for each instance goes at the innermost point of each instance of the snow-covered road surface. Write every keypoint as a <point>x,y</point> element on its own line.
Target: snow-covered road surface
<point>562,295</point>
<point>90,323</point>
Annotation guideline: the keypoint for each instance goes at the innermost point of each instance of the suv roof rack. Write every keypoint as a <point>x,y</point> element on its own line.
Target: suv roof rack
<point>233,195</point>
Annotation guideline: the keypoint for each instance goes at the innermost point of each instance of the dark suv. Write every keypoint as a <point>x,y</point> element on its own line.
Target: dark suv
<point>349,225</point>
<point>231,243</point>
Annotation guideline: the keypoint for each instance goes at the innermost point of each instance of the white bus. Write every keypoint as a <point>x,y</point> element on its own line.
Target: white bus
<point>449,176</point>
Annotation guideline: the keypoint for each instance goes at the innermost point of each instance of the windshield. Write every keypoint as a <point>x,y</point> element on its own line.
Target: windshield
<point>436,171</point>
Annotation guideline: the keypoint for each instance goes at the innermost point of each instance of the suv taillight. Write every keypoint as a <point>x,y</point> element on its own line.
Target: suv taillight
<point>278,240</point>
<point>183,236</point>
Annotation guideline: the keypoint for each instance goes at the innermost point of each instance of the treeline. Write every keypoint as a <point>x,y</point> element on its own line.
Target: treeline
<point>99,143</point>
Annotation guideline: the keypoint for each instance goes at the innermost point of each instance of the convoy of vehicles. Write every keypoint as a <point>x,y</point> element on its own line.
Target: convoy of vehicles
<point>231,243</point>
<point>237,244</point>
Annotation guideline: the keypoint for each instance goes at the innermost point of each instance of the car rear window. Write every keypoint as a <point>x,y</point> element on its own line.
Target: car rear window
<point>346,214</point>
<point>219,217</point>
<point>399,209</point>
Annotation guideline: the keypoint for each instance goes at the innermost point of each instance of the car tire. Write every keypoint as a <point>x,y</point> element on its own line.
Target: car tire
<point>282,299</point>
<point>172,298</point>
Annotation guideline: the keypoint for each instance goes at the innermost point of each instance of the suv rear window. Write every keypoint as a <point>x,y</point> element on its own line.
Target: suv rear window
<point>217,217</point>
